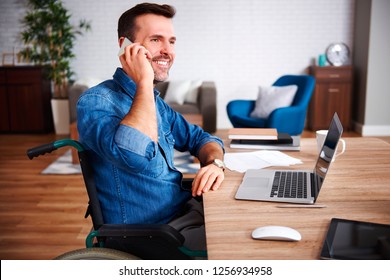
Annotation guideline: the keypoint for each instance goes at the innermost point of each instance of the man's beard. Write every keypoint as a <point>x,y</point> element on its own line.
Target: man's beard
<point>158,78</point>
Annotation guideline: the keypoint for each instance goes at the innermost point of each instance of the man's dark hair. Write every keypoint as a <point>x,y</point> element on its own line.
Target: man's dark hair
<point>126,23</point>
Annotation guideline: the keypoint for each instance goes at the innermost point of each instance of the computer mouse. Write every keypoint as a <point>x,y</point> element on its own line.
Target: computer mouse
<point>282,233</point>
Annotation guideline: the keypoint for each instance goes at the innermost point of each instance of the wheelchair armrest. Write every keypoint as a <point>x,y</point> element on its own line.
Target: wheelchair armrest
<point>164,231</point>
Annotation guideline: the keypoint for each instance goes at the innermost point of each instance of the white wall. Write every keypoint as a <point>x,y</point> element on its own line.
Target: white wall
<point>378,71</point>
<point>372,67</point>
<point>237,44</point>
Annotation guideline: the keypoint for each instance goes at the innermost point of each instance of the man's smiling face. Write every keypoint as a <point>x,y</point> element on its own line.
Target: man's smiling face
<point>156,34</point>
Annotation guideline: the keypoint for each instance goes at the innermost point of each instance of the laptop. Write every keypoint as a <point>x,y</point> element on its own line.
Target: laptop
<point>292,186</point>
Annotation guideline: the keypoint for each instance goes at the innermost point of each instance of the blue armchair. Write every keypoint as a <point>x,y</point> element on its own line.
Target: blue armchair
<point>288,119</point>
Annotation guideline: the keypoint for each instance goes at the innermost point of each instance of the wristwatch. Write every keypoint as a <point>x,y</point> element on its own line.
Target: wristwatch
<point>219,163</point>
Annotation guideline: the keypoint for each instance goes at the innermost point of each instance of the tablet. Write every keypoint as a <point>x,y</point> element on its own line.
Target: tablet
<point>354,240</point>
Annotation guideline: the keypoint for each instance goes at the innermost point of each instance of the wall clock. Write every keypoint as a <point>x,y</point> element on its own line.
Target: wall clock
<point>337,54</point>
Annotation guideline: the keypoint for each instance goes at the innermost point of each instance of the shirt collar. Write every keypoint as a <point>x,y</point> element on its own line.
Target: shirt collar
<point>127,84</point>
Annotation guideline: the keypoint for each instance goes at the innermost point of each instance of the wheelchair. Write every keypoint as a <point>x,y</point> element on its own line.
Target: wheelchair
<point>119,241</point>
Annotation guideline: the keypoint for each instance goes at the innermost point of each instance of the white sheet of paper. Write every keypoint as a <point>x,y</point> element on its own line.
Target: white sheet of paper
<point>241,162</point>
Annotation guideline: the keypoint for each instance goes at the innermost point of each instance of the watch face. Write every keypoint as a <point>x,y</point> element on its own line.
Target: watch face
<point>337,54</point>
<point>219,163</point>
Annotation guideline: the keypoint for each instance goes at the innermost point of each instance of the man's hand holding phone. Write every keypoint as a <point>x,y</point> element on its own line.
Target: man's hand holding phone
<point>135,60</point>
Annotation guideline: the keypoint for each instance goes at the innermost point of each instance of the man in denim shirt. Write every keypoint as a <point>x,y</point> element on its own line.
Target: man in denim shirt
<point>131,133</point>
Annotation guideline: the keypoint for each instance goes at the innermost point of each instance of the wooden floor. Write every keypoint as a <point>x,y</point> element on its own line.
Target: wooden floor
<point>42,216</point>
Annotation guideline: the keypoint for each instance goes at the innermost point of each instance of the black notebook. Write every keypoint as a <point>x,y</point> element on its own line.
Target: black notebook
<point>283,138</point>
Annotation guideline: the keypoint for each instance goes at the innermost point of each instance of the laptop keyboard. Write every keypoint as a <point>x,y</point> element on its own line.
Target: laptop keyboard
<point>289,184</point>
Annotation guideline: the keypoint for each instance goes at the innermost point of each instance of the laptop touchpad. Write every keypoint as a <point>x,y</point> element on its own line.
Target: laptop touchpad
<point>259,182</point>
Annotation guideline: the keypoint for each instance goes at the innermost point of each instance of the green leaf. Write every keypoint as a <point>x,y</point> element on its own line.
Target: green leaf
<point>49,37</point>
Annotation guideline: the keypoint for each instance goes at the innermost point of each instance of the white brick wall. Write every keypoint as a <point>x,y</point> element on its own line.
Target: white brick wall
<point>237,44</point>
<point>11,13</point>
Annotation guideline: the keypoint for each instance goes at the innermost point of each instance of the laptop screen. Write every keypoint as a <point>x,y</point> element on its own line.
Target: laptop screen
<point>326,154</point>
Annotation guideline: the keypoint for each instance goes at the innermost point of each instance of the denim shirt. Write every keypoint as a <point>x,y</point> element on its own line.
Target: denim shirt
<point>136,179</point>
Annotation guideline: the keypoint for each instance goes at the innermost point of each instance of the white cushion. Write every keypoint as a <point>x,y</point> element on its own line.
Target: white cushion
<point>177,91</point>
<point>89,82</point>
<point>271,98</point>
<point>192,95</point>
<point>181,91</point>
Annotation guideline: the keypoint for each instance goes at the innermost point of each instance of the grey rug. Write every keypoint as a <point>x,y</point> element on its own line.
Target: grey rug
<point>63,165</point>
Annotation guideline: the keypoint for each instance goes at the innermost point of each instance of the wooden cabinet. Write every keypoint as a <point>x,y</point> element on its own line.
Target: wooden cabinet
<point>332,93</point>
<point>24,100</point>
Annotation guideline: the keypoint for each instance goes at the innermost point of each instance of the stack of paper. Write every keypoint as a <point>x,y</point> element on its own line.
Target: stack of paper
<point>241,162</point>
<point>253,133</point>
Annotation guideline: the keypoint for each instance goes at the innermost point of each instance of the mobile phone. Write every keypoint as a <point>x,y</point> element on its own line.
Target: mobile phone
<point>125,43</point>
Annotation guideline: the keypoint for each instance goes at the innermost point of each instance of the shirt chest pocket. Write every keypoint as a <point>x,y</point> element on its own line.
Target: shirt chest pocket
<point>155,167</point>
<point>164,156</point>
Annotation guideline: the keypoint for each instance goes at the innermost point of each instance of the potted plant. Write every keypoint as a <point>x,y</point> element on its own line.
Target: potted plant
<point>49,37</point>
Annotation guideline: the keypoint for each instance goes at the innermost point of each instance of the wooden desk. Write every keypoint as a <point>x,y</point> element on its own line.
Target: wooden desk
<point>357,187</point>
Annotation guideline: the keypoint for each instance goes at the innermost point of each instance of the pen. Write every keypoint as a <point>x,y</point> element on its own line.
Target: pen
<point>302,206</point>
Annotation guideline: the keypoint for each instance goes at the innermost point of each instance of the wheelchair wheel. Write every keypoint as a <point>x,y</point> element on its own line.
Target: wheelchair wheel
<point>96,254</point>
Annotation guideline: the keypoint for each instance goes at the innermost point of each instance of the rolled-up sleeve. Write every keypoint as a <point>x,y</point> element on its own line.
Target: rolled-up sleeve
<point>132,140</point>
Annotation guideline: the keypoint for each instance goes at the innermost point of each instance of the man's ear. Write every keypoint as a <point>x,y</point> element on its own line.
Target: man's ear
<point>120,41</point>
